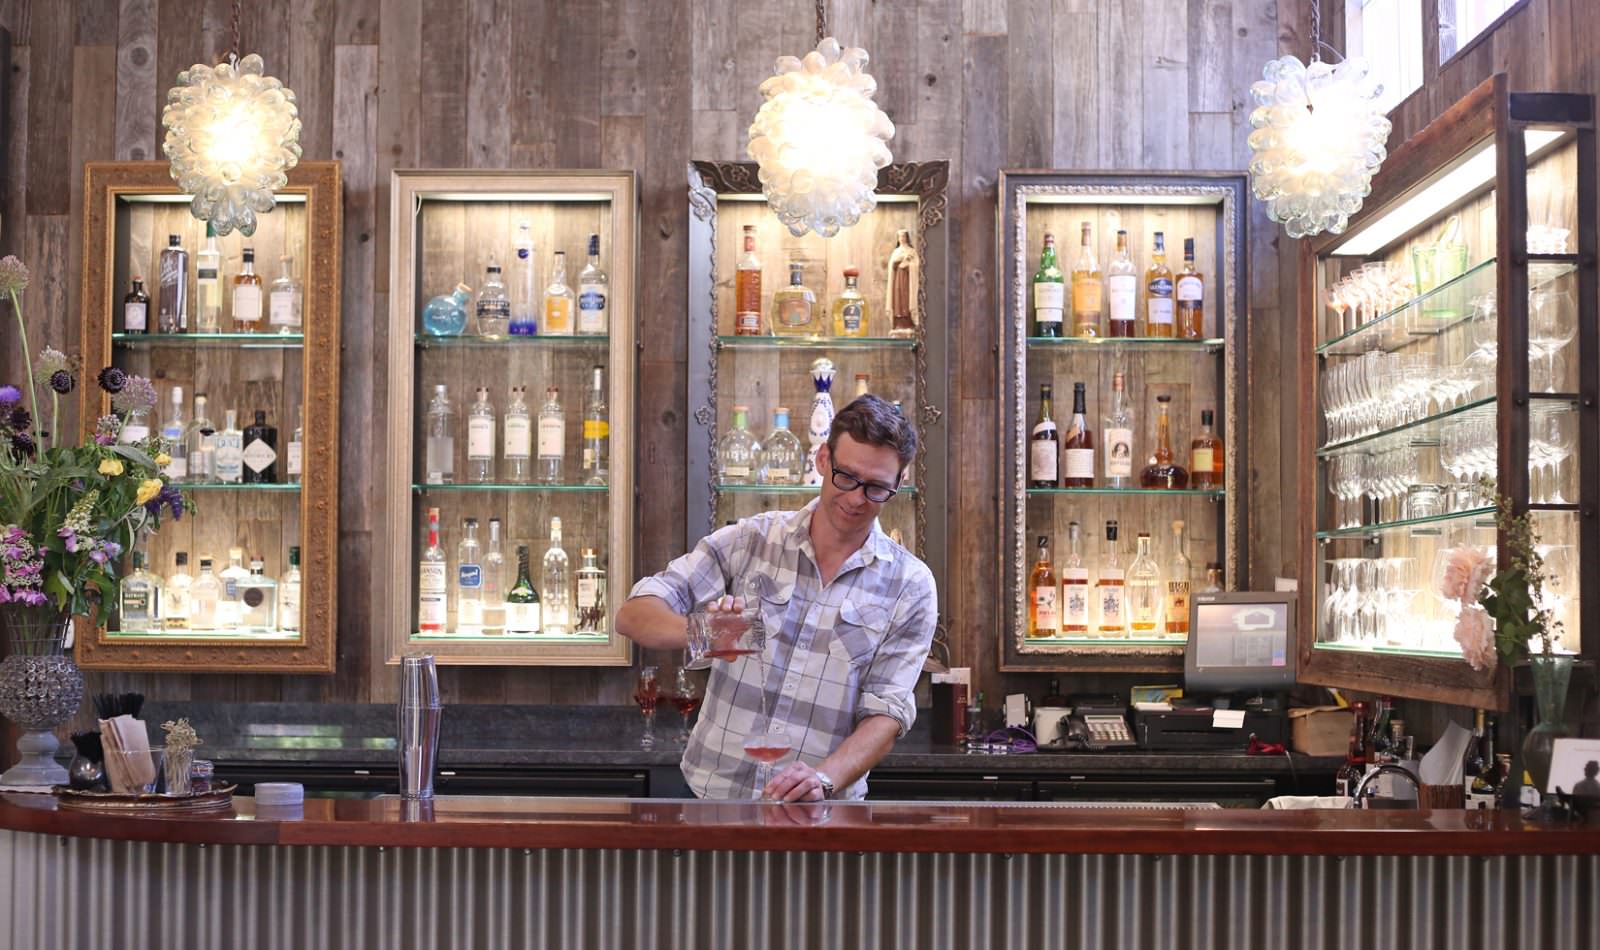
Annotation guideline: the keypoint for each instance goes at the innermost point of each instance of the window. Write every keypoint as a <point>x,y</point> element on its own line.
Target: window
<point>1388,35</point>
<point>1462,20</point>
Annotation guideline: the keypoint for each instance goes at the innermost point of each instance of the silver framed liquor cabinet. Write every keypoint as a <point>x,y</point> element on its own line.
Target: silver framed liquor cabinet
<point>764,354</point>
<point>1132,335</point>
<point>252,419</point>
<point>511,409</point>
<point>1449,336</point>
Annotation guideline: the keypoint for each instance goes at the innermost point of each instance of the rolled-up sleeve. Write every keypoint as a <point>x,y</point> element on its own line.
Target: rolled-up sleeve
<point>888,687</point>
<point>696,577</point>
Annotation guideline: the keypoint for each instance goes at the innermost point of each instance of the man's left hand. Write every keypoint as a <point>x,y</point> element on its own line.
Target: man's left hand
<point>797,782</point>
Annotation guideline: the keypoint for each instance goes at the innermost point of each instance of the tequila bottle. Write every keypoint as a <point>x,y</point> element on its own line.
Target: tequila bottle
<point>433,592</point>
<point>850,314</point>
<point>446,314</point>
<point>596,431</point>
<point>517,453</point>
<point>900,286</point>
<point>557,585</point>
<point>260,451</point>
<point>552,437</point>
<point>136,309</point>
<point>172,437</point>
<point>258,600</point>
<point>204,595</point>
<point>494,307</point>
<point>140,598</point>
<point>480,439</point>
<point>1117,433</point>
<point>228,446</point>
<point>208,284</point>
<point>295,454</point>
<point>177,602</point>
<point>1110,589</point>
<point>782,459</point>
<point>199,444</point>
<point>522,600</point>
<point>594,293</point>
<point>821,416</point>
<point>247,296</point>
<point>494,579</point>
<point>230,605</point>
<point>1074,587</point>
<point>558,298</point>
<point>794,308</point>
<point>469,581</point>
<point>524,284</point>
<point>591,595</point>
<point>289,594</point>
<point>738,452</point>
<point>286,299</point>
<point>1180,574</point>
<point>440,460</point>
<point>1146,598</point>
<point>173,305</point>
<point>1049,292</point>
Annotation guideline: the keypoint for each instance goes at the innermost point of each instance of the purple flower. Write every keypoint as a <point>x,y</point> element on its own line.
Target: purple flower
<point>9,395</point>
<point>99,556</point>
<point>5,595</point>
<point>112,379</point>
<point>106,429</point>
<point>137,393</point>
<point>112,549</point>
<point>69,540</point>
<point>20,419</point>
<point>169,496</point>
<point>62,382</point>
<point>30,597</point>
<point>22,445</point>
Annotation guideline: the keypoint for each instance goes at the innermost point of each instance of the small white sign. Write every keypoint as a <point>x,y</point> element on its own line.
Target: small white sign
<point>1227,719</point>
<point>1575,767</point>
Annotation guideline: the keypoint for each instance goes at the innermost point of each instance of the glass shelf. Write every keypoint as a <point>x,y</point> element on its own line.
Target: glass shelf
<point>512,637</point>
<point>169,636</point>
<point>1429,525</point>
<point>496,487</point>
<point>428,341</point>
<point>816,343</point>
<point>239,486</point>
<point>1170,641</point>
<point>1424,431</point>
<point>1130,343</point>
<point>1388,649</point>
<point>243,341</point>
<point>1215,493</point>
<point>745,489</point>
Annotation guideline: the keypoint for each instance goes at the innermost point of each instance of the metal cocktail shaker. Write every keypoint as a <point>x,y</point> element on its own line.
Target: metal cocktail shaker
<point>418,731</point>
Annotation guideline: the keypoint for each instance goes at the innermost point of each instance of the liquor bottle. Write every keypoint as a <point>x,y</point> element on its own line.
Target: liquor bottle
<point>494,582</point>
<point>1213,583</point>
<point>1044,444</point>
<point>260,451</point>
<point>1206,458</point>
<point>524,284</point>
<point>1146,600</point>
<point>1087,290</point>
<point>433,592</point>
<point>863,385</point>
<point>552,437</point>
<point>446,314</point>
<point>558,298</point>
<point>289,594</point>
<point>139,598</point>
<point>204,595</point>
<point>136,309</point>
<point>596,431</point>
<point>783,460</point>
<point>258,600</point>
<point>247,295</point>
<point>850,308</point>
<point>177,602</point>
<point>172,315</point>
<point>591,617</point>
<point>1078,446</point>
<point>1163,472</point>
<point>557,587</point>
<point>228,449</point>
<point>738,452</point>
<point>135,426</point>
<point>172,433</point>
<point>440,457</point>
<point>1110,589</point>
<point>1122,289</point>
<point>1350,774</point>
<point>493,309</point>
<point>517,458</point>
<point>1158,312</point>
<point>1472,761</point>
<point>1483,791</point>
<point>208,284</point>
<point>794,307</point>
<point>747,288</point>
<point>1180,573</point>
<point>594,293</point>
<point>230,606</point>
<point>900,286</point>
<point>1116,436</point>
<point>1049,292</point>
<point>1191,288</point>
<point>522,600</point>
<point>1074,587</point>
<point>286,299</point>
<point>480,439</point>
<point>469,581</point>
<point>199,444</point>
<point>821,423</point>
<point>296,453</point>
<point>1043,618</point>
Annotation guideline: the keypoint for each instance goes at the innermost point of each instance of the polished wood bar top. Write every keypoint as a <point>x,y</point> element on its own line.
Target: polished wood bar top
<point>483,822</point>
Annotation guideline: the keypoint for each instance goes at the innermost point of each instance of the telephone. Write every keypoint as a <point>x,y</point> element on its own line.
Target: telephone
<point>1098,731</point>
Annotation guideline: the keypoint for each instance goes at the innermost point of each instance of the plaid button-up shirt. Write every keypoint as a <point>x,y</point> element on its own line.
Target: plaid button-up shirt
<point>835,654</point>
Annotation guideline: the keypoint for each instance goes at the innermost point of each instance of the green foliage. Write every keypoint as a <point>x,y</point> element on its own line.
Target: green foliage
<point>1513,597</point>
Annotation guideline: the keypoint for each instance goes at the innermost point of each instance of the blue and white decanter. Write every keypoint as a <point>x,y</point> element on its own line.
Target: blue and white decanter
<point>821,416</point>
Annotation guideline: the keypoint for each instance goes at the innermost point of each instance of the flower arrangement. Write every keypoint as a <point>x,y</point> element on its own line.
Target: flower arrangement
<point>68,512</point>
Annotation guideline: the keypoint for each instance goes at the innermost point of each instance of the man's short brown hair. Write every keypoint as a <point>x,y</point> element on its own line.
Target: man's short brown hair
<point>872,421</point>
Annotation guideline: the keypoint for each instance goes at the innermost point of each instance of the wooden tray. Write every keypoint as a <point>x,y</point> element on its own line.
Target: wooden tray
<point>217,799</point>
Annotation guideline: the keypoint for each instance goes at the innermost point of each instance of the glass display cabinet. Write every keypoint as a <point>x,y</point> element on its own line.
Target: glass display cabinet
<point>875,321</point>
<point>1124,300</point>
<point>510,416</point>
<point>1448,338</point>
<point>222,326</point>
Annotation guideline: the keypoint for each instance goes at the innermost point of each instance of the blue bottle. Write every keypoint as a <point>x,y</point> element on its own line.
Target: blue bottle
<point>447,315</point>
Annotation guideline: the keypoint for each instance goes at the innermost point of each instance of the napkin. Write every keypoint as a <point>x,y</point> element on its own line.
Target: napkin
<point>129,765</point>
<point>1442,764</point>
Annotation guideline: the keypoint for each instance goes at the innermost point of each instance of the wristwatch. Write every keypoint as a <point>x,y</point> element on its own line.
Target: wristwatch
<point>826,782</point>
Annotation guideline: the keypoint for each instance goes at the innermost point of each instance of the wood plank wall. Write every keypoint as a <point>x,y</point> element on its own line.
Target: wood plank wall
<point>649,84</point>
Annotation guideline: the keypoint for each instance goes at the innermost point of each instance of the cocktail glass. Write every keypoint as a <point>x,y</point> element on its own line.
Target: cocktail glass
<point>686,698</point>
<point>767,745</point>
<point>646,694</point>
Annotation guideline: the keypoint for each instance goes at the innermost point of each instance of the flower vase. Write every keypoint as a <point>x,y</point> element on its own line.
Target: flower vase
<point>1550,677</point>
<point>40,688</point>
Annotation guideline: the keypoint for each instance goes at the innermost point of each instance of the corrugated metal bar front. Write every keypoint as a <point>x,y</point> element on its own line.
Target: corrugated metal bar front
<point>84,892</point>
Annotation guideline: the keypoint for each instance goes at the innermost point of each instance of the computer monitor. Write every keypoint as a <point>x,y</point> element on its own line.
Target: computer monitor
<point>1240,641</point>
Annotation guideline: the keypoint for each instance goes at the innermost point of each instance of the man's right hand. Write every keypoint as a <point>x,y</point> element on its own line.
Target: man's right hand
<point>725,623</point>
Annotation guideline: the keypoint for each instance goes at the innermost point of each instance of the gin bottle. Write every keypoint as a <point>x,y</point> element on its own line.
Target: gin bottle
<point>289,594</point>
<point>258,600</point>
<point>494,307</point>
<point>517,454</point>
<point>480,439</point>
<point>738,452</point>
<point>594,293</point>
<point>260,451</point>
<point>208,284</point>
<point>229,450</point>
<point>199,444</point>
<point>140,598</point>
<point>286,299</point>
<point>433,592</point>
<point>172,437</point>
<point>176,603</point>
<point>557,592</point>
<point>524,284</point>
<point>204,594</point>
<point>494,581</point>
<point>552,437</point>
<point>173,305</point>
<point>821,415</point>
<point>596,431</point>
<point>230,605</point>
<point>446,314</point>
<point>558,299</point>
<point>783,459</point>
<point>469,581</point>
<point>441,449</point>
<point>1074,588</point>
<point>1146,597</point>
<point>297,446</point>
<point>591,595</point>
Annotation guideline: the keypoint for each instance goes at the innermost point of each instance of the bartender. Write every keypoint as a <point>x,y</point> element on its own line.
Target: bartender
<point>849,617</point>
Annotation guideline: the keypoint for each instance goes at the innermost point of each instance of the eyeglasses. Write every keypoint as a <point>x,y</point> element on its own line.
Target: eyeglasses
<point>876,493</point>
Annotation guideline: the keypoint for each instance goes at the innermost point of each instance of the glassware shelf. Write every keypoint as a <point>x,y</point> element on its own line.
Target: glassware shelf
<point>1080,641</point>
<point>816,343</point>
<point>754,489</point>
<point>512,637</point>
<point>428,341</point>
<point>423,489</point>
<point>242,341</point>
<point>1428,525</point>
<point>203,634</point>
<point>1387,649</point>
<point>1129,343</point>
<point>1424,431</point>
<point>239,486</point>
<point>1213,493</point>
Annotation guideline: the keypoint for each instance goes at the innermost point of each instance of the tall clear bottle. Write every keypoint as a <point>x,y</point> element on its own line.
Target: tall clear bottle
<point>1191,292</point>
<point>204,595</point>
<point>552,437</point>
<point>594,294</point>
<point>286,300</point>
<point>1110,588</point>
<point>559,301</point>
<point>440,457</point>
<point>480,439</point>
<point>494,582</point>
<point>517,453</point>
<point>295,457</point>
<point>289,594</point>
<point>596,431</point>
<point>557,585</point>
<point>1146,597</point>
<point>493,309</point>
<point>229,446</point>
<point>524,284</point>
<point>208,285</point>
<point>1074,587</point>
<point>198,444</point>
<point>172,308</point>
<point>1117,436</point>
<point>172,433</point>
<point>591,617</point>
<point>1180,580</point>
<point>433,590</point>
<point>176,606</point>
<point>469,581</point>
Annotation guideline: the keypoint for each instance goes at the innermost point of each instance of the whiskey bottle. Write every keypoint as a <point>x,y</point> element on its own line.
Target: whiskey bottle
<point>557,585</point>
<point>747,288</point>
<point>1044,446</point>
<point>493,308</point>
<point>738,452</point>
<point>469,581</point>
<point>494,581</point>
<point>591,604</point>
<point>289,594</point>
<point>1206,458</point>
<point>594,293</point>
<point>558,299</point>
<point>1164,472</point>
<point>433,591</point>
<point>176,601</point>
<point>1110,590</point>
<point>850,308</point>
<point>260,451</point>
<point>247,296</point>
<point>136,309</point>
<point>1146,600</point>
<point>900,283</point>
<point>596,431</point>
<point>139,598</point>
<point>1078,446</point>
<point>440,456</point>
<point>1191,288</point>
<point>517,465</point>
<point>208,284</point>
<point>794,307</point>
<point>173,306</point>
<point>552,440</point>
<point>1087,290</point>
<point>286,300</point>
<point>1180,572</point>
<point>1117,436</point>
<point>522,600</point>
<point>1158,311</point>
<point>1049,292</point>
<point>228,449</point>
<point>1043,617</point>
<point>524,284</point>
<point>1122,289</point>
<point>1074,587</point>
<point>480,439</point>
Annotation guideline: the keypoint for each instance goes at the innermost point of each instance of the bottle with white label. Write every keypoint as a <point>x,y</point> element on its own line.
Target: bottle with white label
<point>208,284</point>
<point>1044,444</point>
<point>591,595</point>
<point>136,309</point>
<point>1074,587</point>
<point>469,581</point>
<point>175,601</point>
<point>440,456</point>
<point>1116,436</point>
<point>523,616</point>
<point>297,446</point>
<point>594,293</point>
<point>1049,292</point>
<point>1110,589</point>
<point>289,594</point>
<point>135,426</point>
<point>1077,449</point>
<point>783,458</point>
<point>552,437</point>
<point>287,299</point>
<point>433,589</point>
<point>494,581</point>
<point>1191,292</point>
<point>596,431</point>
<point>493,310</point>
<point>173,283</point>
<point>1043,616</point>
<point>230,606</point>
<point>516,464</point>
<point>1122,289</point>
<point>247,296</point>
<point>172,432</point>
<point>738,452</point>
<point>228,449</point>
<point>480,440</point>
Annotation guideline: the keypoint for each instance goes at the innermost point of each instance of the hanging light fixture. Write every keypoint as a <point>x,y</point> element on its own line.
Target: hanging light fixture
<point>233,133</point>
<point>1318,139</point>
<point>819,138</point>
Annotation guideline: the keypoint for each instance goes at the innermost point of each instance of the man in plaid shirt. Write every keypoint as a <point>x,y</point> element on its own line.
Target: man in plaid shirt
<point>849,617</point>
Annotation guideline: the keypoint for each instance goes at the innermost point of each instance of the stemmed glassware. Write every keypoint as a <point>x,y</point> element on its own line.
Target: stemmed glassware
<point>686,699</point>
<point>646,693</point>
<point>1551,326</point>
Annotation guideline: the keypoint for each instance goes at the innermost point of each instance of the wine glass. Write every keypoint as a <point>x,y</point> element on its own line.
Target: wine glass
<point>646,693</point>
<point>686,698</point>
<point>766,745</point>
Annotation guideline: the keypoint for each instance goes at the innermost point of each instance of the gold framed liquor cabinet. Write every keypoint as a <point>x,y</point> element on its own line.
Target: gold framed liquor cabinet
<point>213,347</point>
<point>536,428</point>
<point>1179,344</point>
<point>1447,336</point>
